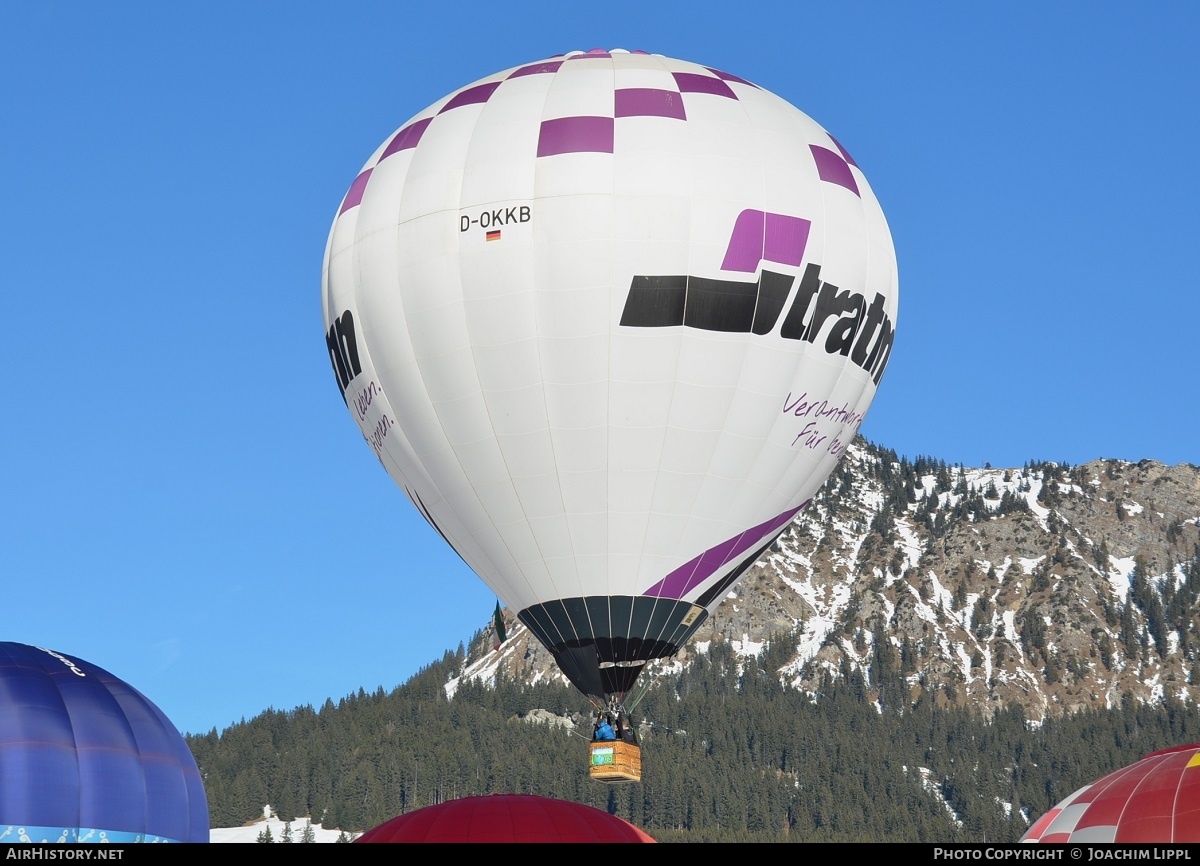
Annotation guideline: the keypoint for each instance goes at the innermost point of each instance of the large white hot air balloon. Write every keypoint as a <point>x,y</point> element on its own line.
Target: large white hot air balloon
<point>609,320</point>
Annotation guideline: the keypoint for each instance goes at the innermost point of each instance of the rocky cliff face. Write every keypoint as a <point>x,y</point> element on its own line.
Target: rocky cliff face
<point>1057,588</point>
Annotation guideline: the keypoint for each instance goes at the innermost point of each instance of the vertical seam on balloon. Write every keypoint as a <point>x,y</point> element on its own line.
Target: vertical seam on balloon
<point>185,775</point>
<point>650,513</point>
<point>1121,774</point>
<point>537,164</point>
<point>746,347</point>
<point>545,400</point>
<point>496,438</point>
<point>612,244</point>
<point>361,321</point>
<point>49,672</point>
<point>1185,757</point>
<point>802,357</point>
<point>475,365</point>
<point>144,756</point>
<point>846,368</point>
<point>799,358</point>
<point>496,573</point>
<point>608,395</point>
<point>690,518</point>
<point>384,455</point>
<point>867,380</point>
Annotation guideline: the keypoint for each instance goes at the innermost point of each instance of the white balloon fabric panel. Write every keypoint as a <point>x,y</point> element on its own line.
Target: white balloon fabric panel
<point>610,320</point>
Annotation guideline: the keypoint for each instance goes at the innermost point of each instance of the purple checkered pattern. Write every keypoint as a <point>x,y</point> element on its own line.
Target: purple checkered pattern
<point>596,134</point>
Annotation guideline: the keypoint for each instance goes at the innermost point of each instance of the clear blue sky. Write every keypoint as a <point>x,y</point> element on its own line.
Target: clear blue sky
<point>187,502</point>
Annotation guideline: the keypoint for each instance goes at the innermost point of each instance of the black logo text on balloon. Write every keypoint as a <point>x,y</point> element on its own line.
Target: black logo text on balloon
<point>342,342</point>
<point>851,328</point>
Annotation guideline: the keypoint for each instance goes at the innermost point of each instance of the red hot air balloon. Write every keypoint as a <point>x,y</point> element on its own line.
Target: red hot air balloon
<point>1155,800</point>
<point>506,818</point>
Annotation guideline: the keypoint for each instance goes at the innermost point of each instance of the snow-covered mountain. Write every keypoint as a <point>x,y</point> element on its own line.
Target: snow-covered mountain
<point>1054,587</point>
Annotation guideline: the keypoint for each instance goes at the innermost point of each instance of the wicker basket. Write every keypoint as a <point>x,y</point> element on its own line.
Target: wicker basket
<point>615,761</point>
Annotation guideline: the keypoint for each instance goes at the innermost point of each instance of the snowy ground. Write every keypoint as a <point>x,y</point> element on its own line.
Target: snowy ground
<point>249,833</point>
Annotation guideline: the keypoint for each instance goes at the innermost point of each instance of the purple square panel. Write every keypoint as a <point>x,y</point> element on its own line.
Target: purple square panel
<point>354,196</point>
<point>537,68</point>
<point>575,135</point>
<point>647,102</point>
<point>832,168</point>
<point>759,236</point>
<point>471,96</point>
<point>846,156</point>
<point>693,82</point>
<point>725,76</point>
<point>407,138</point>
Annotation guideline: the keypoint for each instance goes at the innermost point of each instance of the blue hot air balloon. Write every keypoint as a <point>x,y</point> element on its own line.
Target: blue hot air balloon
<point>85,757</point>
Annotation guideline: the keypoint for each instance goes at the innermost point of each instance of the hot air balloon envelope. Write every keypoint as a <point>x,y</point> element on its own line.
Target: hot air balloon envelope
<point>609,320</point>
<point>1155,800</point>
<point>85,757</point>
<point>506,818</point>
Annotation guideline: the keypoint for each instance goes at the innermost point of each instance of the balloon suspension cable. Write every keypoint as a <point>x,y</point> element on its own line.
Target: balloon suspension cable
<point>639,691</point>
